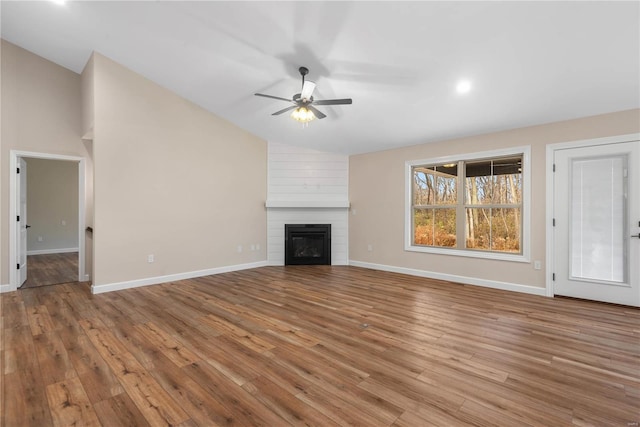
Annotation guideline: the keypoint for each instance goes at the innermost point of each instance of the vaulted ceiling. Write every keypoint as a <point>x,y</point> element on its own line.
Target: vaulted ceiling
<point>528,62</point>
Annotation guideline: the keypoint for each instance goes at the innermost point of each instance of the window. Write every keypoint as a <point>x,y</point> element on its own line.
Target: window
<point>435,196</point>
<point>471,206</point>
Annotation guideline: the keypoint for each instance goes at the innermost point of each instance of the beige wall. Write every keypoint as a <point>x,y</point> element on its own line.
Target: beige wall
<point>376,191</point>
<point>164,167</point>
<point>40,113</point>
<point>172,180</point>
<point>52,204</point>
<point>88,101</point>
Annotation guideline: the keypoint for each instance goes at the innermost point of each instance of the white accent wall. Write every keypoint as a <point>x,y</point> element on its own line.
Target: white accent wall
<point>307,187</point>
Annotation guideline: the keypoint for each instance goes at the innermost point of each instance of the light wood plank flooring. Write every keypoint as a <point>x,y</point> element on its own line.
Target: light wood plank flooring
<point>315,346</point>
<point>51,269</point>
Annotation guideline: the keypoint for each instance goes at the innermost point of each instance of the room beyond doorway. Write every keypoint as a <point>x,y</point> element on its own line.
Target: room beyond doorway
<point>51,269</point>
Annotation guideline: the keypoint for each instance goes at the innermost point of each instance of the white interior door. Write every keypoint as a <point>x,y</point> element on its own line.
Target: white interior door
<point>597,222</point>
<point>21,240</point>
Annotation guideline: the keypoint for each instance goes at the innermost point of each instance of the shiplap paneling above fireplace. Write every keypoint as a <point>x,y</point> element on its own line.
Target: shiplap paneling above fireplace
<point>307,187</point>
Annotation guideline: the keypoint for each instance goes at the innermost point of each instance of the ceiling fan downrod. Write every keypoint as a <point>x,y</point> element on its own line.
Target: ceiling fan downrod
<point>303,72</point>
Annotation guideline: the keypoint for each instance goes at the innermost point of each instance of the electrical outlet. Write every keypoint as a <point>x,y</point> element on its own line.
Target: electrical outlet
<point>253,247</point>
<point>537,265</point>
<point>370,248</point>
<point>63,222</point>
<point>151,258</point>
<point>353,211</point>
<point>40,239</point>
<point>239,249</point>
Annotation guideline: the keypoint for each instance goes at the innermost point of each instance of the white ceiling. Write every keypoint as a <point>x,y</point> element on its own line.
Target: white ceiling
<point>529,62</point>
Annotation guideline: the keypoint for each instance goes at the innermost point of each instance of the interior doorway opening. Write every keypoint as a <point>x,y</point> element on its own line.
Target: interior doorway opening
<point>60,254</point>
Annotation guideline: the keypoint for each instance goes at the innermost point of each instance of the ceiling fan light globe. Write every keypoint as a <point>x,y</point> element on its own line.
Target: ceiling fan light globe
<point>303,115</point>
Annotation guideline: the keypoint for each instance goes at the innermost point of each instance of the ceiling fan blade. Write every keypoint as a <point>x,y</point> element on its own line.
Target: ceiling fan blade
<point>284,110</point>
<point>319,114</point>
<point>274,97</point>
<point>307,89</point>
<point>333,101</point>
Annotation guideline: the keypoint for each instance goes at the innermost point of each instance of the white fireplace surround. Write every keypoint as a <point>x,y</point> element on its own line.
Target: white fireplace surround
<point>307,187</point>
<point>338,217</point>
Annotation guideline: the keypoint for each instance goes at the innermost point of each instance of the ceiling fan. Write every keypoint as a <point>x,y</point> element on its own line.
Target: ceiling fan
<point>303,107</point>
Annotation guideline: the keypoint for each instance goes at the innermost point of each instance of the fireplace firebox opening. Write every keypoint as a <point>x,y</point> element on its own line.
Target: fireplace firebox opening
<point>307,244</point>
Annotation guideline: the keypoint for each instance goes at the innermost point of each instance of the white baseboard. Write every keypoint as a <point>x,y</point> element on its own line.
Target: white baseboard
<point>505,286</point>
<point>52,251</point>
<point>6,288</point>
<point>98,289</point>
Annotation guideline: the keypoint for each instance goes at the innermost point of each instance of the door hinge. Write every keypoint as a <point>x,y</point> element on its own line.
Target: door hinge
<point>18,218</point>
<point>554,222</point>
<point>18,266</point>
<point>554,167</point>
<point>18,171</point>
<point>553,277</point>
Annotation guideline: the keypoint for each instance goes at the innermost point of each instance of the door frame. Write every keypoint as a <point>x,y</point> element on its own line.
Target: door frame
<point>14,156</point>
<point>550,177</point>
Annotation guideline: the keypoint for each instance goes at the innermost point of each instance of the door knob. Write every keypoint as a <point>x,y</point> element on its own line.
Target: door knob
<point>28,226</point>
<point>636,235</point>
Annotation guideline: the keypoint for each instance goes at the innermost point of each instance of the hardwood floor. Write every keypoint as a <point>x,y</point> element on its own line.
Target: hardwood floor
<point>315,346</point>
<point>51,269</point>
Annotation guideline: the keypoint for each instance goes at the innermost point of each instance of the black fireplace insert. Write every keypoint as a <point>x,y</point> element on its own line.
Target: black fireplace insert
<point>307,244</point>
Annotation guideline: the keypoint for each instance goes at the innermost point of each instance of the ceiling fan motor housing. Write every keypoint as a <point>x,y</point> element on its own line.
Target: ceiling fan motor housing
<point>298,99</point>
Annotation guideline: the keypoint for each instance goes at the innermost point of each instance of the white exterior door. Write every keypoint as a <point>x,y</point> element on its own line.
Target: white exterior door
<point>596,212</point>
<point>21,240</point>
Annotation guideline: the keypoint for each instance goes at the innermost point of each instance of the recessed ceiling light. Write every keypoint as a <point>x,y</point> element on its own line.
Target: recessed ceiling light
<point>463,86</point>
<point>59,2</point>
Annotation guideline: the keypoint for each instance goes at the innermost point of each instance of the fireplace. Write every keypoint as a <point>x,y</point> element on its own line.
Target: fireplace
<point>307,244</point>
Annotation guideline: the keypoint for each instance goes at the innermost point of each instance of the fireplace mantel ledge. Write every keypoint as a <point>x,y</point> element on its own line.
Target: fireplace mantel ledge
<point>306,204</point>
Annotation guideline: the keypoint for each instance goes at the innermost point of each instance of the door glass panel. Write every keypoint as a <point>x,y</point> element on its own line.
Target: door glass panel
<point>598,215</point>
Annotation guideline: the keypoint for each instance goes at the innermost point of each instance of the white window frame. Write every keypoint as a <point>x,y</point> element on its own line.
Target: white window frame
<point>525,242</point>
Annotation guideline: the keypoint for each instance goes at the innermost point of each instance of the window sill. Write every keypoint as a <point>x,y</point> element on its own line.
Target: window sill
<point>469,253</point>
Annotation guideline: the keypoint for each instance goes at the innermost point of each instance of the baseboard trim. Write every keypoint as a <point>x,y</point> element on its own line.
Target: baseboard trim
<point>52,251</point>
<point>99,289</point>
<point>6,288</point>
<point>505,286</point>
